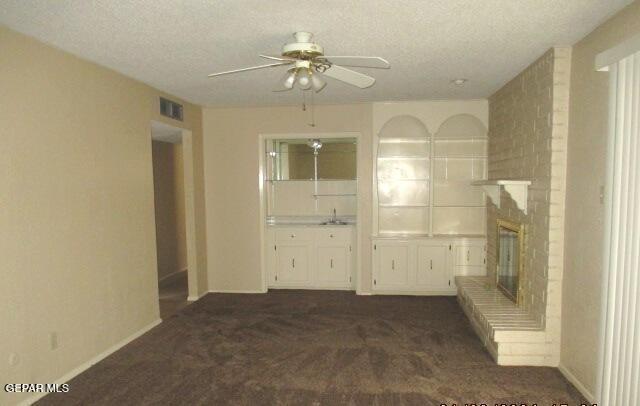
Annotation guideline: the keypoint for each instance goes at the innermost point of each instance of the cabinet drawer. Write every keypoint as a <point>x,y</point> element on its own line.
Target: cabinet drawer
<point>287,235</point>
<point>333,235</point>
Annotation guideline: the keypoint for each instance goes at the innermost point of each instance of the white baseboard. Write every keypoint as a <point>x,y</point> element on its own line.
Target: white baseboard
<point>364,293</point>
<point>576,382</point>
<point>340,288</point>
<point>415,293</point>
<point>193,298</point>
<point>236,291</point>
<point>86,365</point>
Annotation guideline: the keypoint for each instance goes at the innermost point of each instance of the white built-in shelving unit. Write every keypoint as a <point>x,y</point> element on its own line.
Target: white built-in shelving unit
<point>423,180</point>
<point>429,221</point>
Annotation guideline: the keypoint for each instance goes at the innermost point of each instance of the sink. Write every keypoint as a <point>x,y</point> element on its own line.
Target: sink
<point>334,223</point>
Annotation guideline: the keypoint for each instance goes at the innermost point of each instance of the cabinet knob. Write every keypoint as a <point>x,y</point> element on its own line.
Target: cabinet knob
<point>331,235</point>
<point>293,235</point>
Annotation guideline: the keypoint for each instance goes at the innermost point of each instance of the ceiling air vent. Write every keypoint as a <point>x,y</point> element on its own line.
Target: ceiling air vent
<point>171,109</point>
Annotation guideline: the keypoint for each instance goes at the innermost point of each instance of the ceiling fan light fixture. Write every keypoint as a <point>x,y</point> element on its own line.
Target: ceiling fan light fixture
<point>317,81</point>
<point>289,79</point>
<point>304,58</point>
<point>304,79</point>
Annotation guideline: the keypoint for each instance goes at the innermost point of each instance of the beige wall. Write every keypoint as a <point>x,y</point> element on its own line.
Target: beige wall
<point>527,140</point>
<point>77,235</point>
<point>584,215</point>
<point>168,187</point>
<point>232,195</point>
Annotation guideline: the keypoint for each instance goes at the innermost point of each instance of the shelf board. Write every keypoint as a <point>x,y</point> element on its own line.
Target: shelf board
<point>458,207</point>
<point>500,182</point>
<point>333,194</point>
<point>518,189</point>
<point>404,140</point>
<point>402,205</point>
<point>481,139</point>
<point>310,180</point>
<point>408,157</point>
<point>460,157</point>
<point>404,180</point>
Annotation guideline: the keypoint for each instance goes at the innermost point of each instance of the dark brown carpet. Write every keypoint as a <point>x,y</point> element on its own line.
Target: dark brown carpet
<point>312,348</point>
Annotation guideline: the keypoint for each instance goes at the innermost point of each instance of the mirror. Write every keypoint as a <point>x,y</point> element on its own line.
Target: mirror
<point>510,251</point>
<point>311,159</point>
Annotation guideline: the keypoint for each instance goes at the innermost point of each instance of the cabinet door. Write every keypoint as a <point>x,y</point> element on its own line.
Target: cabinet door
<point>433,269</point>
<point>469,255</point>
<point>392,266</point>
<point>333,265</point>
<point>292,263</point>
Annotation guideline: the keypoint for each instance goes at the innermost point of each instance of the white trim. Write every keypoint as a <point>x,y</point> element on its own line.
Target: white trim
<point>307,287</point>
<point>91,362</point>
<point>613,55</point>
<point>188,162</point>
<point>194,298</point>
<point>249,291</point>
<point>394,292</point>
<point>576,382</point>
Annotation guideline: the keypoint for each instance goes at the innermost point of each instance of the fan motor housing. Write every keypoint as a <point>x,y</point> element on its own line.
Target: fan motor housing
<point>302,50</point>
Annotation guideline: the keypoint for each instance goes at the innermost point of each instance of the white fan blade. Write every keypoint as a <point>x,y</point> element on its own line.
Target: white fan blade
<point>349,76</point>
<point>251,68</point>
<point>277,58</point>
<point>359,61</point>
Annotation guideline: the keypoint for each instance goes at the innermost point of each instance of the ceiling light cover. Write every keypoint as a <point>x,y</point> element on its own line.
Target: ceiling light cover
<point>289,79</point>
<point>304,79</point>
<point>317,81</point>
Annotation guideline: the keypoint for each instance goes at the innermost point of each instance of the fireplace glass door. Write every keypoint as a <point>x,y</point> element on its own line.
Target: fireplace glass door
<point>510,244</point>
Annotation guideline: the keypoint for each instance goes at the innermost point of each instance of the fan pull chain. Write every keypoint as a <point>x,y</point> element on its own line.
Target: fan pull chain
<point>313,112</point>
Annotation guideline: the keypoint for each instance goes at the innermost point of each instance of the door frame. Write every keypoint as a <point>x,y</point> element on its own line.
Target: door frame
<point>262,138</point>
<point>188,159</point>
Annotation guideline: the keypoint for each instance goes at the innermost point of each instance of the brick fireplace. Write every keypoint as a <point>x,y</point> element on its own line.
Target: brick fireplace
<point>528,125</point>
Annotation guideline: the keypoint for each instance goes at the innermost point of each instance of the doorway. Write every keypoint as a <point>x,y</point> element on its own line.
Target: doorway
<point>173,184</point>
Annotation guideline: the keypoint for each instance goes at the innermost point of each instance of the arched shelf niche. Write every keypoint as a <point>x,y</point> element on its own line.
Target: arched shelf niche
<point>403,170</point>
<point>462,126</point>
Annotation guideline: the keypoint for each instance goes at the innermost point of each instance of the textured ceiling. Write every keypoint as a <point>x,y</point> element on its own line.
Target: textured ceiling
<point>173,45</point>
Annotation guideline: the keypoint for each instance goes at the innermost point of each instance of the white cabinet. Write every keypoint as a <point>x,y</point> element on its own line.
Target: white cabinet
<point>310,257</point>
<point>332,267</point>
<point>433,270</point>
<point>426,265</point>
<point>393,263</point>
<point>292,264</point>
<point>470,257</point>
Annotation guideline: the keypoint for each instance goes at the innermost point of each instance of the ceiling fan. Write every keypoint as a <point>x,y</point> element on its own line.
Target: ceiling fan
<point>308,66</point>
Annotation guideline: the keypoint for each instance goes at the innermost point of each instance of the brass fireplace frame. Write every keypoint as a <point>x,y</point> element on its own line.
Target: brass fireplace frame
<point>520,230</point>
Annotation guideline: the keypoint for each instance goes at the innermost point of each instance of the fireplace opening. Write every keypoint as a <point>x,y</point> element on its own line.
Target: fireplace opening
<point>509,258</point>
